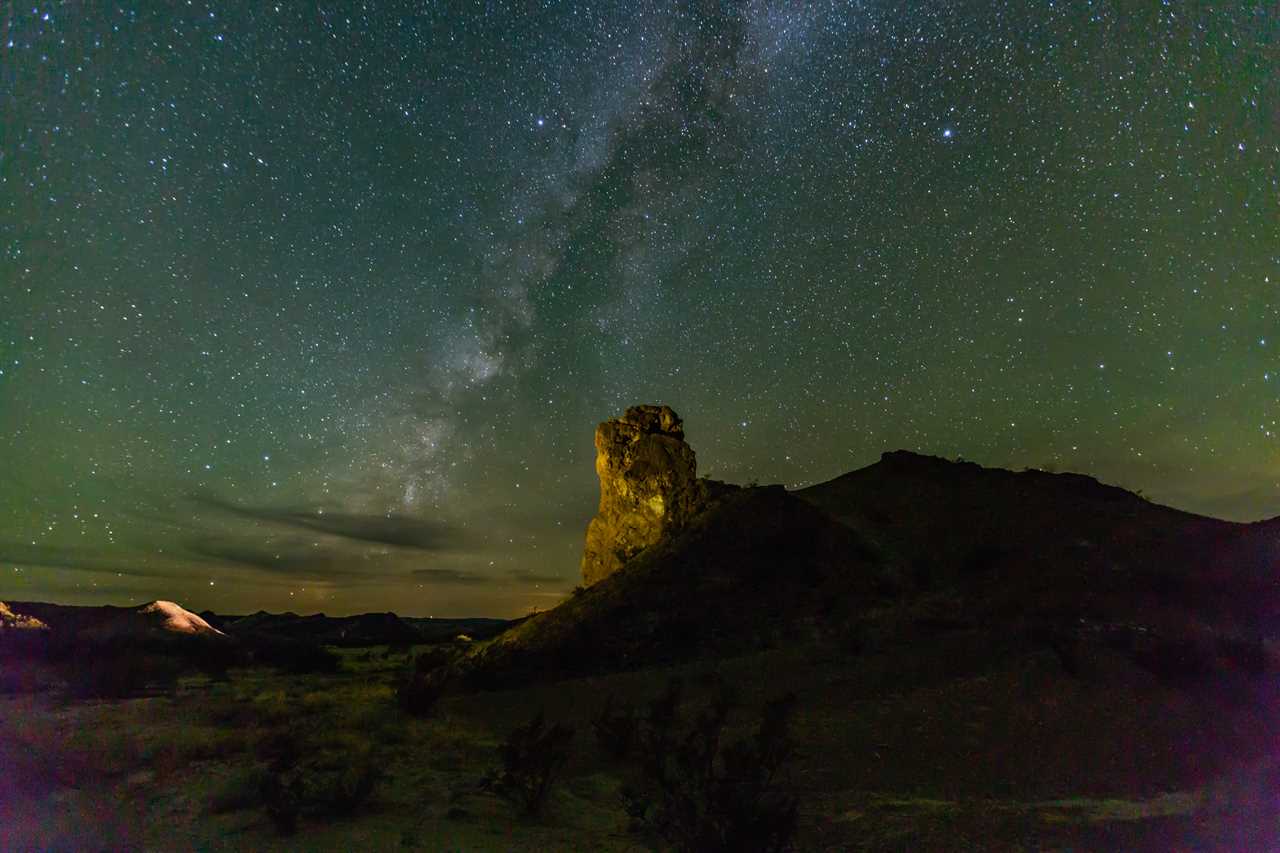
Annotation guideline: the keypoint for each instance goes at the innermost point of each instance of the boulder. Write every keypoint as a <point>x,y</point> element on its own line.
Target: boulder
<point>648,487</point>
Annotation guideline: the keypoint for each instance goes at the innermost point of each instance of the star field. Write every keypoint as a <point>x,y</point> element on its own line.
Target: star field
<point>316,309</point>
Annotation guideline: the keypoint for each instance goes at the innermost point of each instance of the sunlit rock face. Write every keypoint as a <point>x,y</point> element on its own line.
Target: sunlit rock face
<point>18,621</point>
<point>173,617</point>
<point>648,487</point>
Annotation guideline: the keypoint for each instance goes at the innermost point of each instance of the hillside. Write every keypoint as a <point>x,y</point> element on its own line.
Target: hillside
<point>1043,544</point>
<point>155,620</point>
<point>756,568</point>
<point>913,551</point>
<point>984,659</point>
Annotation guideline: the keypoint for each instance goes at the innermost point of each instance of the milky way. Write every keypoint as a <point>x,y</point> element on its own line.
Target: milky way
<point>317,308</point>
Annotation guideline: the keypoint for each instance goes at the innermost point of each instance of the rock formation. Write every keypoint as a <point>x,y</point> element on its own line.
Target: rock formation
<point>648,487</point>
<point>156,620</point>
<point>173,617</point>
<point>18,621</point>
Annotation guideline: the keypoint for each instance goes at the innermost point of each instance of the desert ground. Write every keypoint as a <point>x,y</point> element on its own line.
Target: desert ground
<point>890,753</point>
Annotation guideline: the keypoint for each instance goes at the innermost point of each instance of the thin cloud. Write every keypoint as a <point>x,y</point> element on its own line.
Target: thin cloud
<point>81,559</point>
<point>291,558</point>
<point>459,577</point>
<point>533,578</point>
<point>399,530</point>
<point>451,577</point>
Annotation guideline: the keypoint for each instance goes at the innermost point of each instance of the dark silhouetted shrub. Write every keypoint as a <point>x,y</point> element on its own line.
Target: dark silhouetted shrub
<point>419,692</point>
<point>924,573</point>
<point>120,675</point>
<point>340,789</point>
<point>281,788</point>
<point>322,779</point>
<point>708,795</point>
<point>241,790</point>
<point>856,636</point>
<point>24,644</point>
<point>617,729</point>
<point>1177,662</point>
<point>434,657</point>
<point>982,559</point>
<point>282,800</point>
<point>213,657</point>
<point>293,656</point>
<point>1247,655</point>
<point>279,748</point>
<point>532,757</point>
<point>17,676</point>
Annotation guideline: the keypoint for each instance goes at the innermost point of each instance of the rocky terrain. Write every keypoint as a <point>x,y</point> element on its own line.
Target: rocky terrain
<point>912,551</point>
<point>754,569</point>
<point>10,621</point>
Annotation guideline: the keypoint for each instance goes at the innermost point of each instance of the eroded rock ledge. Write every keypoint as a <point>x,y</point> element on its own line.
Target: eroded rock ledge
<point>648,487</point>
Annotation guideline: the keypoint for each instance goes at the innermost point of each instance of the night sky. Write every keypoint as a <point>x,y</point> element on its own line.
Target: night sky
<point>318,309</point>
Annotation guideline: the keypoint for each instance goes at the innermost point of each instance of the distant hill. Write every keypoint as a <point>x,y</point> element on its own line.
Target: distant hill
<point>366,629</point>
<point>434,629</point>
<point>72,624</point>
<point>914,551</point>
<point>171,617</point>
<point>1035,542</point>
<point>154,620</point>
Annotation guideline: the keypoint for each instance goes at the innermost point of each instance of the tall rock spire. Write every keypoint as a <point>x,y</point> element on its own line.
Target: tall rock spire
<point>648,487</point>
